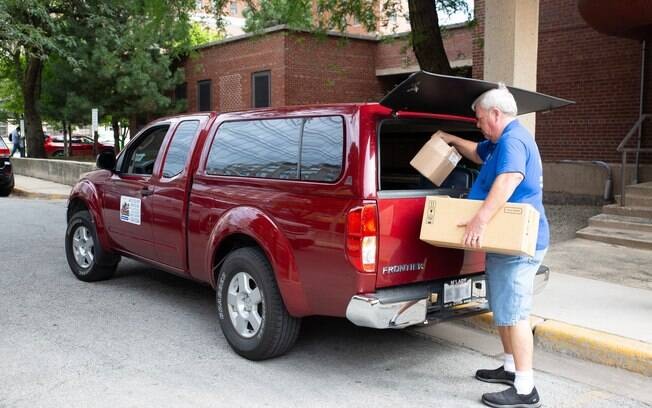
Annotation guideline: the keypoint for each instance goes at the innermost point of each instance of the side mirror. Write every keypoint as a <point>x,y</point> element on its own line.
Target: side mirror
<point>106,160</point>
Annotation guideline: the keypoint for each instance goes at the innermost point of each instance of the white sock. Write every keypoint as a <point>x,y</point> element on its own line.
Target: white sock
<point>509,363</point>
<point>524,382</point>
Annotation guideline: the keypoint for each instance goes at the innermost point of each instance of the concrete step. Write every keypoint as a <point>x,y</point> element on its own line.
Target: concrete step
<point>621,222</point>
<point>628,238</point>
<point>636,200</point>
<point>641,189</point>
<point>615,209</point>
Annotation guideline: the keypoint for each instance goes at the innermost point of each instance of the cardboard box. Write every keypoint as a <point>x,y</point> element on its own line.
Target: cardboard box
<point>436,159</point>
<point>512,231</point>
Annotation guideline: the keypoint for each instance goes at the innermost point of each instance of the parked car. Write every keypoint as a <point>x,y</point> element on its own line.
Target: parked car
<point>80,146</point>
<point>6,172</point>
<point>291,212</point>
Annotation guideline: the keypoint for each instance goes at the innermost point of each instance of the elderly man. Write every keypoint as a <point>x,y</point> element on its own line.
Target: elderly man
<point>511,172</point>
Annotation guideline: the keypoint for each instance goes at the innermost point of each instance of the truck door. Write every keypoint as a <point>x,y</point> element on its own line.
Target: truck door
<point>170,198</point>
<point>127,197</point>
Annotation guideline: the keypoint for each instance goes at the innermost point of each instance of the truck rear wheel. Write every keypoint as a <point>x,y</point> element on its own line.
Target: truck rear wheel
<point>87,259</point>
<point>250,308</point>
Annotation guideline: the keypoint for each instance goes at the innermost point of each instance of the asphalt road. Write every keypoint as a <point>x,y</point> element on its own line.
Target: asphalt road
<point>148,339</point>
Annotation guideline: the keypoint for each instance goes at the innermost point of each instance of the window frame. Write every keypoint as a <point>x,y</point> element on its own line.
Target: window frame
<point>258,74</point>
<point>210,95</point>
<point>210,143</point>
<point>134,143</point>
<point>190,146</point>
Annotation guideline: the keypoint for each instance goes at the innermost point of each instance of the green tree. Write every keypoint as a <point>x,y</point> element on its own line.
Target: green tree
<point>117,56</point>
<point>29,32</point>
<point>295,13</point>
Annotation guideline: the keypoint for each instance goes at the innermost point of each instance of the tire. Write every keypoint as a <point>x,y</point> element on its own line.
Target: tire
<point>6,190</point>
<point>88,261</point>
<point>255,301</point>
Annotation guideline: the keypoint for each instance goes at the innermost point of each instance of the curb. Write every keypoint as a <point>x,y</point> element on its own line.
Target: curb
<point>586,344</point>
<point>19,192</point>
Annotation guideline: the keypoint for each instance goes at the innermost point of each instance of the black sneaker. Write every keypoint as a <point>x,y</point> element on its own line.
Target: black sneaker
<point>510,399</point>
<point>499,375</point>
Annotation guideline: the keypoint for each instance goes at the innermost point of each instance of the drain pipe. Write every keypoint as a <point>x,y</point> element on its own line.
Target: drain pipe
<point>640,111</point>
<point>608,183</point>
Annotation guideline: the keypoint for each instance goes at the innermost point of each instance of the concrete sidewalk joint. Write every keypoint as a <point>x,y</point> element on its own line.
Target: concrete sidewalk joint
<point>587,344</point>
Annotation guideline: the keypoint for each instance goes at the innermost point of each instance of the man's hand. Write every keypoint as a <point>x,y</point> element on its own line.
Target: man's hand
<point>502,188</point>
<point>473,233</point>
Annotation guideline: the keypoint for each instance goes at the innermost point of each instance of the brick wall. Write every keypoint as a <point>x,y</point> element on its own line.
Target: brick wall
<point>396,52</point>
<point>329,70</point>
<point>231,64</point>
<point>600,73</point>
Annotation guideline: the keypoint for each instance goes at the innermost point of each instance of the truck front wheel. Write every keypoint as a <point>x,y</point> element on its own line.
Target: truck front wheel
<point>88,261</point>
<point>250,309</point>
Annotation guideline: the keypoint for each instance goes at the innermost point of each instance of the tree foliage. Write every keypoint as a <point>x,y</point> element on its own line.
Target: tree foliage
<point>118,56</point>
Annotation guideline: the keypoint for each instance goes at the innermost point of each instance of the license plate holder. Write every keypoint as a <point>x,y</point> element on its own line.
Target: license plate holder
<point>457,291</point>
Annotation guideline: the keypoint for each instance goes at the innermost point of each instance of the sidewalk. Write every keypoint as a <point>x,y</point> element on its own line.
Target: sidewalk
<point>37,188</point>
<point>608,321</point>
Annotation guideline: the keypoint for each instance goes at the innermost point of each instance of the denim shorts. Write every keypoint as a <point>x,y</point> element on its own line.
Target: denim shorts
<point>510,283</point>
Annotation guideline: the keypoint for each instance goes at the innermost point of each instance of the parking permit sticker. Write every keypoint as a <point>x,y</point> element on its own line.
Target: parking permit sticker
<point>130,210</point>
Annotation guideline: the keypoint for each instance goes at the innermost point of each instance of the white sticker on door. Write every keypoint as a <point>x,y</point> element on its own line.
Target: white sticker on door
<point>130,210</point>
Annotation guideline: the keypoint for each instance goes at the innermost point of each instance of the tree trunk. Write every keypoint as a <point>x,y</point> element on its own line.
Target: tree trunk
<point>115,125</point>
<point>33,124</point>
<point>69,139</point>
<point>426,37</point>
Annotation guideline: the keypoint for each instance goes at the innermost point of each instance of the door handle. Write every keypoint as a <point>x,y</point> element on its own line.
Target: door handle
<point>146,192</point>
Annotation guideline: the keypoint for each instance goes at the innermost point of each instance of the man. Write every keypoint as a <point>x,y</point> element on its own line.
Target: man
<point>511,172</point>
<point>18,141</point>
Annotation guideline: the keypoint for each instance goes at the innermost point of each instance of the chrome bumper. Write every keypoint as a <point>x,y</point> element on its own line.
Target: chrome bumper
<point>410,305</point>
<point>368,311</point>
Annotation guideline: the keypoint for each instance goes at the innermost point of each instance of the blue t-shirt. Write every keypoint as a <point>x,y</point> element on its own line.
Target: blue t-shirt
<point>515,152</point>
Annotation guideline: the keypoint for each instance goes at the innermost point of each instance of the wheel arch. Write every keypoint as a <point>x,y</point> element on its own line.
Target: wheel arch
<point>84,197</point>
<point>249,227</point>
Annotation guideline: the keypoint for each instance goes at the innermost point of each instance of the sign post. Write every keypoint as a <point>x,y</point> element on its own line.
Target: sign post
<point>94,129</point>
<point>23,135</point>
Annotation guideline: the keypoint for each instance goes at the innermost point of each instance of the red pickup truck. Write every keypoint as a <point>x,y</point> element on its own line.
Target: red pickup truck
<point>291,212</point>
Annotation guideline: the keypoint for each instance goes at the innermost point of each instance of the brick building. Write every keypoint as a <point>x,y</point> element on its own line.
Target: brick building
<point>287,67</point>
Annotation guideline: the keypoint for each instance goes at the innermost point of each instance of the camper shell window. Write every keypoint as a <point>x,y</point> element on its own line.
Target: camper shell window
<point>399,140</point>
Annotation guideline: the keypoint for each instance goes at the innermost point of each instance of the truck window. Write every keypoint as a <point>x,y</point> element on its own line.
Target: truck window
<point>141,157</point>
<point>322,149</point>
<point>256,148</point>
<point>178,152</point>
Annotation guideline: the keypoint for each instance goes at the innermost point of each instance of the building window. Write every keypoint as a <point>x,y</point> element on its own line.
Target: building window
<point>181,92</point>
<point>204,95</point>
<point>261,89</point>
<point>234,8</point>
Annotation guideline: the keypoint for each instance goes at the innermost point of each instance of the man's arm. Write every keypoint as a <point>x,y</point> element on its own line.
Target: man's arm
<point>502,188</point>
<point>466,147</point>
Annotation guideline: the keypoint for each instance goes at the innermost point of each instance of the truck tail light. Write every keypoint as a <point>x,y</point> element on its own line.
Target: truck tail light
<point>361,240</point>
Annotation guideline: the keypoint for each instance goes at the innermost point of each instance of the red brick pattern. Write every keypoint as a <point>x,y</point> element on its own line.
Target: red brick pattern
<point>330,69</point>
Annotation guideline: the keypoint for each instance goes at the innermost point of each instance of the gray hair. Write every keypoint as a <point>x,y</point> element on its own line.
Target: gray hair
<point>499,98</point>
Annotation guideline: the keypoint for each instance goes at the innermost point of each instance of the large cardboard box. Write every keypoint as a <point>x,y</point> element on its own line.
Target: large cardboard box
<point>512,231</point>
<point>436,159</point>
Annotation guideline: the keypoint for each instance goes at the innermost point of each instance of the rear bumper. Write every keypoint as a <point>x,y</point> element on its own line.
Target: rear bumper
<point>395,308</point>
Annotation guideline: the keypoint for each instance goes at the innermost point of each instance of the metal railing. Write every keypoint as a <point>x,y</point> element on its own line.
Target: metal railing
<point>624,150</point>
